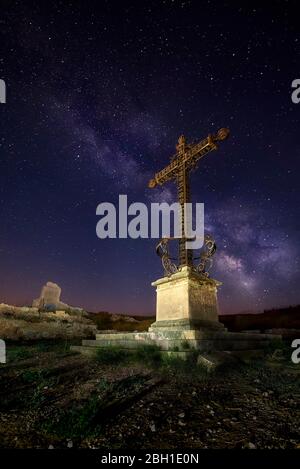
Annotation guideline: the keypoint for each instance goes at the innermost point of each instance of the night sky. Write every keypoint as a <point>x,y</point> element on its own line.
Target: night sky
<point>97,96</point>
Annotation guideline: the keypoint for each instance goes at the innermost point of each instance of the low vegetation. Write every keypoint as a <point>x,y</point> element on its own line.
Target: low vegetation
<point>147,354</point>
<point>64,399</point>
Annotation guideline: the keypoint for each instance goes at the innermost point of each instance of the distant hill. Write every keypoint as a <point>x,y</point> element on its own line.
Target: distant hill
<point>119,322</point>
<point>277,318</point>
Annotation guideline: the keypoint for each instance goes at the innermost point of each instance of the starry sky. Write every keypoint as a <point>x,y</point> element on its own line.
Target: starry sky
<point>97,95</point>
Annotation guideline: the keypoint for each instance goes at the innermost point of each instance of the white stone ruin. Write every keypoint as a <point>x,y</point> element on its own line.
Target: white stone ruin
<point>49,299</point>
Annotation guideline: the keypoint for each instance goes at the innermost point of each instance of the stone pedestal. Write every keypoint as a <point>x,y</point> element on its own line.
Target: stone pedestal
<point>186,300</point>
<point>186,322</point>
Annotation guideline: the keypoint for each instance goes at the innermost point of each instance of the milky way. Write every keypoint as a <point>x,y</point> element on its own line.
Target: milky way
<point>97,95</point>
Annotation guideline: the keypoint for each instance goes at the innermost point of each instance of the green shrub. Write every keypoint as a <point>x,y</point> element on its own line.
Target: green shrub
<point>31,376</point>
<point>275,344</point>
<point>149,354</point>
<point>19,353</point>
<point>111,355</point>
<point>75,422</point>
<point>185,345</point>
<point>278,347</point>
<point>184,366</point>
<point>57,346</point>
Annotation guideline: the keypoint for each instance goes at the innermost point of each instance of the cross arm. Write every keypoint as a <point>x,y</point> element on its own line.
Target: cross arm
<point>189,157</point>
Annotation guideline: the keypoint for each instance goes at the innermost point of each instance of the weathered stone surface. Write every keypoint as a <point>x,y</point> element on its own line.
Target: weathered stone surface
<point>50,296</point>
<point>187,296</point>
<point>182,341</point>
<point>49,300</point>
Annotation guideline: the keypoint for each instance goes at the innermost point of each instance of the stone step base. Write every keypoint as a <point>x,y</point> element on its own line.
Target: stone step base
<point>182,341</point>
<point>195,334</point>
<point>210,360</point>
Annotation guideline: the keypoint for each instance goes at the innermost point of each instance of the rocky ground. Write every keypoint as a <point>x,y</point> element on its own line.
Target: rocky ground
<point>27,323</point>
<point>50,397</point>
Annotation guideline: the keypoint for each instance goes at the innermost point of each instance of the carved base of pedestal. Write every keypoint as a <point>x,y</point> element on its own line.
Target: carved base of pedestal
<point>186,325</point>
<point>186,300</point>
